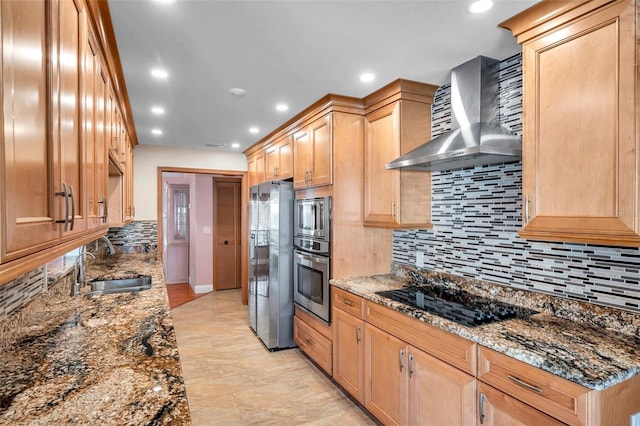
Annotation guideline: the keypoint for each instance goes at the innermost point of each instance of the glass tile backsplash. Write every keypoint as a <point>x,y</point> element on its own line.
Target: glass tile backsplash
<point>477,212</point>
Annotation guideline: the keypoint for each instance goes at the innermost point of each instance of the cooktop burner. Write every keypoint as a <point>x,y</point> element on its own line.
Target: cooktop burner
<point>456,305</point>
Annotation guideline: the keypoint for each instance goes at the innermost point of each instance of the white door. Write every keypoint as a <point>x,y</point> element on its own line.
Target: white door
<point>176,265</point>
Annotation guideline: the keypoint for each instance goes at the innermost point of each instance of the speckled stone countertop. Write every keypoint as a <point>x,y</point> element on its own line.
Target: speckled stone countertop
<point>89,360</point>
<point>594,346</point>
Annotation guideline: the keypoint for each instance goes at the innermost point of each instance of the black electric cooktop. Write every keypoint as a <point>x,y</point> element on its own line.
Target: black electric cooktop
<point>456,305</point>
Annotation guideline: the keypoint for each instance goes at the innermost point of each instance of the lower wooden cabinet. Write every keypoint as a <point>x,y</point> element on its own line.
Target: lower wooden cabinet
<point>439,394</point>
<point>404,385</point>
<point>497,408</point>
<point>312,341</point>
<point>348,353</point>
<point>386,380</point>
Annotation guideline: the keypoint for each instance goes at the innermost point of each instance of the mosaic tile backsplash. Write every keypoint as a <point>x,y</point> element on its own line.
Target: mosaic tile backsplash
<point>136,237</point>
<point>477,213</point>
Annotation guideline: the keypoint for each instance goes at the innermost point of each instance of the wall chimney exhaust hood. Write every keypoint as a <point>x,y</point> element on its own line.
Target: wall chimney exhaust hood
<point>476,137</point>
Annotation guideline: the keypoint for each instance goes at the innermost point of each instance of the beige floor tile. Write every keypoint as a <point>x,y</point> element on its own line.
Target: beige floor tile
<point>232,379</point>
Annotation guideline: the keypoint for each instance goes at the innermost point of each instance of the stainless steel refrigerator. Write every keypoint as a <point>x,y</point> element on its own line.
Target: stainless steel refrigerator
<point>271,263</point>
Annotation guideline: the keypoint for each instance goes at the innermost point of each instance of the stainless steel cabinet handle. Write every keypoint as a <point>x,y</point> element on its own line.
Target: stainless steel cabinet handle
<point>524,384</point>
<point>73,207</point>
<point>481,408</point>
<point>393,210</point>
<point>347,302</point>
<point>64,194</point>
<point>409,365</point>
<point>358,335</point>
<point>527,218</point>
<point>104,209</point>
<point>400,359</point>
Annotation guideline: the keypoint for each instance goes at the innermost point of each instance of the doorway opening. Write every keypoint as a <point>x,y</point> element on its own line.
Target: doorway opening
<point>203,228</point>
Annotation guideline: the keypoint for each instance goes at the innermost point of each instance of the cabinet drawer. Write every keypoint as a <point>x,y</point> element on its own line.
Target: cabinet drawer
<point>459,352</point>
<point>547,392</point>
<point>315,345</point>
<point>348,302</point>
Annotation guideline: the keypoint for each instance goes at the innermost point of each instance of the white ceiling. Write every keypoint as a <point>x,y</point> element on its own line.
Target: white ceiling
<point>285,51</point>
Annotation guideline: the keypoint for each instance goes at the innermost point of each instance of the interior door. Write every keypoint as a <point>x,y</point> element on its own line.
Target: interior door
<point>226,233</point>
<point>177,235</point>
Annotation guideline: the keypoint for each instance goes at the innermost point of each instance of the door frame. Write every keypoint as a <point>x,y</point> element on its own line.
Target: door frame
<point>244,215</point>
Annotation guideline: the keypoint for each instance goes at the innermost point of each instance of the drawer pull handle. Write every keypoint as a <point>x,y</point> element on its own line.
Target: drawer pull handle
<point>525,384</point>
<point>410,366</point>
<point>481,408</point>
<point>347,302</point>
<point>400,360</point>
<point>358,335</point>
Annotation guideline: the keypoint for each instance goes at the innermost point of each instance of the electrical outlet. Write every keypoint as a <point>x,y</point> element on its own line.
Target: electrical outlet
<point>420,259</point>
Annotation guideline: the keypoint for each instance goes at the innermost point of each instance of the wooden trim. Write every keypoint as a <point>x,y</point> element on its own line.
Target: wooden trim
<point>548,15</point>
<point>244,197</point>
<point>329,103</point>
<point>397,90</point>
<point>100,17</point>
<point>14,269</point>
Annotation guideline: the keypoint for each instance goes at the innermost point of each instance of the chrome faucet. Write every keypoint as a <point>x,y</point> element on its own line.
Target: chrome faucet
<point>79,271</point>
<point>110,249</point>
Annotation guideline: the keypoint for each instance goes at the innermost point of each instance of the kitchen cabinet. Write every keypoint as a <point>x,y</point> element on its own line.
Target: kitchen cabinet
<point>498,408</point>
<point>313,153</point>
<point>128,177</point>
<point>43,194</point>
<point>348,342</point>
<point>314,339</point>
<point>397,120</point>
<point>53,177</point>
<point>95,161</point>
<point>580,143</point>
<point>279,159</point>
<point>256,167</point>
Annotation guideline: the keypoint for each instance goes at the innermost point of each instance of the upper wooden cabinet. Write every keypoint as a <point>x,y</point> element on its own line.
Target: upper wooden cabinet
<point>256,165</point>
<point>279,159</point>
<point>397,120</point>
<point>580,144</point>
<point>53,180</point>
<point>313,153</point>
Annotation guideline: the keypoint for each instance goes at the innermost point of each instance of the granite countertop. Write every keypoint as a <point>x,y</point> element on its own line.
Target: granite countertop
<point>594,346</point>
<point>107,360</point>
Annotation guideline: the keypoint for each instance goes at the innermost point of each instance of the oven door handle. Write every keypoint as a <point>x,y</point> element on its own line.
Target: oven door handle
<point>306,260</point>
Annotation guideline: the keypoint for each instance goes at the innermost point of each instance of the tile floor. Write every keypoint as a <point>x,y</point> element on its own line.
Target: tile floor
<point>231,379</point>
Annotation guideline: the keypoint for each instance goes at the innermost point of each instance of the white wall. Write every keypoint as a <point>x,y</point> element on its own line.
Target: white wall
<point>147,159</point>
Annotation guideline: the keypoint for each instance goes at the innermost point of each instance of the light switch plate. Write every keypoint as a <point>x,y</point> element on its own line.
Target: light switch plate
<point>420,259</point>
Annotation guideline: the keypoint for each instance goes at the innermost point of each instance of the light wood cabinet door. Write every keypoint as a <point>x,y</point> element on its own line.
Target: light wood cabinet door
<point>580,148</point>
<point>279,159</point>
<point>348,353</point>
<point>385,364</point>
<point>314,344</point>
<point>128,177</point>
<point>396,198</point>
<point>67,133</point>
<point>256,168</point>
<point>29,208</point>
<point>93,95</point>
<point>439,394</point>
<point>313,154</point>
<point>499,409</point>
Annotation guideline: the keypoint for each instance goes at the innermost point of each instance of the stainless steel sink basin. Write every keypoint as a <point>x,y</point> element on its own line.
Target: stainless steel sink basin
<point>123,285</point>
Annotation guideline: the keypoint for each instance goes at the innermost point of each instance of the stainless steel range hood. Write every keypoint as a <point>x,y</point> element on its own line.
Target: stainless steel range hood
<point>476,137</point>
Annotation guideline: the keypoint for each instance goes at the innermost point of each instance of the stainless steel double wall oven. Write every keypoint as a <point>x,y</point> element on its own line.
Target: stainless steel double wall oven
<point>311,256</point>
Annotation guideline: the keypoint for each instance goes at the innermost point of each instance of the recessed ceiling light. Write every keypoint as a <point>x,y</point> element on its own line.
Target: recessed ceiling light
<point>156,131</point>
<point>367,77</point>
<point>253,130</point>
<point>480,6</point>
<point>237,91</point>
<point>157,110</point>
<point>158,73</point>
<point>235,145</point>
<point>282,107</point>
<point>166,1</point>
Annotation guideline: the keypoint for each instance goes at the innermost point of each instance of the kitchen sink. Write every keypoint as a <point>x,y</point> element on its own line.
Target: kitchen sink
<point>101,286</point>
